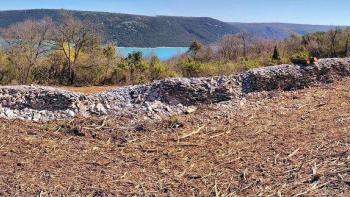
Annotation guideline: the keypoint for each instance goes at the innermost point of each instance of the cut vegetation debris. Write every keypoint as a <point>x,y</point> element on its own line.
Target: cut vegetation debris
<point>273,144</point>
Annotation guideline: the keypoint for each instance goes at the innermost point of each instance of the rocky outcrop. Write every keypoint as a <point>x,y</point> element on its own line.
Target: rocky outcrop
<point>165,97</point>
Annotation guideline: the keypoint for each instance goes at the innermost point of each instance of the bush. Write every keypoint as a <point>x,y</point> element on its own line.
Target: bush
<point>7,71</point>
<point>90,68</point>
<point>190,68</point>
<point>119,73</point>
<point>88,75</point>
<point>42,75</point>
<point>7,74</point>
<point>193,68</point>
<point>229,67</point>
<point>209,69</point>
<point>157,70</point>
<point>250,64</point>
<point>301,57</point>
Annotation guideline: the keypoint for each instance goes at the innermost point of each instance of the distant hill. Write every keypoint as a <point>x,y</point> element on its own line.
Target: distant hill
<point>279,30</point>
<point>134,30</point>
<point>145,31</point>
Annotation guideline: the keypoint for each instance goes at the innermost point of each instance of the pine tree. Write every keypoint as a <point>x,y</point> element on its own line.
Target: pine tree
<point>276,54</point>
<point>195,47</point>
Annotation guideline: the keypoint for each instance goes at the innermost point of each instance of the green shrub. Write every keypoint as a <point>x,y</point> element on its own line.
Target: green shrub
<point>194,68</point>
<point>88,75</point>
<point>276,55</point>
<point>157,70</point>
<point>195,47</point>
<point>301,57</point>
<point>190,68</point>
<point>250,64</point>
<point>209,69</point>
<point>119,73</point>
<point>7,71</point>
<point>8,74</point>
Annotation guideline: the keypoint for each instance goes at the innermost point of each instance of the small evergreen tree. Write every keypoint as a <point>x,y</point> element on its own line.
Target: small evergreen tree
<point>135,63</point>
<point>110,53</point>
<point>276,54</point>
<point>195,47</point>
<point>157,70</point>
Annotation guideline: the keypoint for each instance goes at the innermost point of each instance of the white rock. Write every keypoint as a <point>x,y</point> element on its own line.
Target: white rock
<point>36,116</point>
<point>71,113</point>
<point>9,113</point>
<point>191,109</point>
<point>154,106</point>
<point>100,109</point>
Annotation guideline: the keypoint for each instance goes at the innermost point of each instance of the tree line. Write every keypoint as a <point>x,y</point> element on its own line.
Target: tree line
<point>73,53</point>
<point>239,52</point>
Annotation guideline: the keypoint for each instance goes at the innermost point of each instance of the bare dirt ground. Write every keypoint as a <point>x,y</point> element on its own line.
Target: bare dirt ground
<point>281,144</point>
<point>87,90</point>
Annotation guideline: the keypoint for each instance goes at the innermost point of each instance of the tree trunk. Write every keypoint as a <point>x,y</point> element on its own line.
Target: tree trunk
<point>132,73</point>
<point>71,77</point>
<point>27,73</point>
<point>106,75</point>
<point>71,74</point>
<point>346,50</point>
<point>244,50</point>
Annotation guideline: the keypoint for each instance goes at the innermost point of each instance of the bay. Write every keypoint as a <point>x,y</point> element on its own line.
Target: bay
<point>163,53</point>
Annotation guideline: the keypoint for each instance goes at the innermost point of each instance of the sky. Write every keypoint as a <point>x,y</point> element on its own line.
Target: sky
<point>323,12</point>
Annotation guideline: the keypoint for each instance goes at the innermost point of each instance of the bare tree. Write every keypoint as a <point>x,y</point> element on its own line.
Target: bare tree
<point>333,35</point>
<point>70,37</point>
<point>228,47</point>
<point>290,45</point>
<point>27,42</point>
<point>245,37</point>
<point>259,47</point>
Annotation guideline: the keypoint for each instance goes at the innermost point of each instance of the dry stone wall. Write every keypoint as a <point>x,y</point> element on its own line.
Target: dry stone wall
<point>45,103</point>
<point>292,77</point>
<point>165,97</point>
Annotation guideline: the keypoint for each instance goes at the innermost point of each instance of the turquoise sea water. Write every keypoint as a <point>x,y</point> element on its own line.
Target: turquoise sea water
<point>163,53</point>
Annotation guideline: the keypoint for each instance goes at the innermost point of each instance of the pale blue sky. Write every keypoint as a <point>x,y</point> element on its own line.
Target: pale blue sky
<point>327,12</point>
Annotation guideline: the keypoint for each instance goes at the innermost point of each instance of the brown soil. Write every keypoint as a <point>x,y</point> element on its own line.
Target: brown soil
<point>280,144</point>
<point>88,89</point>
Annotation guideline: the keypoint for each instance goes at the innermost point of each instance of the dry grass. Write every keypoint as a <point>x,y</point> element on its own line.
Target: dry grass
<point>88,89</point>
<point>289,144</point>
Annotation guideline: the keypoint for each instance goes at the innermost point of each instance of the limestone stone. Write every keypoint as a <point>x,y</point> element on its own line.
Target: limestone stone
<point>165,97</point>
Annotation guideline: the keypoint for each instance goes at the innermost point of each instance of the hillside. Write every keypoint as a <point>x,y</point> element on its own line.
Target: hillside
<point>145,31</point>
<point>279,30</point>
<point>134,30</point>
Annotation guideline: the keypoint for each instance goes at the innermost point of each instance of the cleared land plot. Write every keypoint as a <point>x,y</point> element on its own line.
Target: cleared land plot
<point>88,89</point>
<point>291,143</point>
